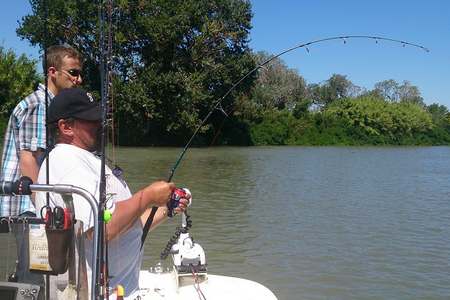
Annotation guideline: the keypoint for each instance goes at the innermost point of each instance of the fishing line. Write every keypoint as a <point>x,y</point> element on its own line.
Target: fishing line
<point>218,102</point>
<point>194,273</point>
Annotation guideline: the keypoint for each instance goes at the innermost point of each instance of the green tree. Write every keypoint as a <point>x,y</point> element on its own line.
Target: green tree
<point>336,87</point>
<point>387,89</point>
<point>172,59</point>
<point>410,93</point>
<point>339,86</point>
<point>392,91</point>
<point>277,86</point>
<point>438,113</point>
<point>18,78</point>
<point>392,122</point>
<point>301,108</point>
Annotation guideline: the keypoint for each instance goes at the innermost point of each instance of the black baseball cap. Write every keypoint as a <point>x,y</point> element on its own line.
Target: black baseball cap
<point>74,103</point>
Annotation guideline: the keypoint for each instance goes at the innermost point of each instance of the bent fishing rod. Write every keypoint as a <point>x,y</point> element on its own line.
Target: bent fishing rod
<point>218,102</point>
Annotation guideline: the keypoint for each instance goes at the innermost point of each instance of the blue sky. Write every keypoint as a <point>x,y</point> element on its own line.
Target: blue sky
<point>278,25</point>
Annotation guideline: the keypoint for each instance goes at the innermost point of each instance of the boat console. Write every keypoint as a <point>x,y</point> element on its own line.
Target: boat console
<point>20,291</point>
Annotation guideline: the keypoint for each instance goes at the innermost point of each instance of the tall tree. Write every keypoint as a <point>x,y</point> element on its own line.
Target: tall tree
<point>439,113</point>
<point>18,78</point>
<point>172,59</point>
<point>410,93</point>
<point>392,91</point>
<point>388,89</point>
<point>277,85</point>
<point>336,87</point>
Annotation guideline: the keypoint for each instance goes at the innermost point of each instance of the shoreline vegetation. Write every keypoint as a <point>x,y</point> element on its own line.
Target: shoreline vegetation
<point>354,122</point>
<point>172,61</point>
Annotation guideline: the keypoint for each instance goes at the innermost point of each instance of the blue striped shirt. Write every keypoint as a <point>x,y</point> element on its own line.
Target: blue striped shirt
<point>25,131</point>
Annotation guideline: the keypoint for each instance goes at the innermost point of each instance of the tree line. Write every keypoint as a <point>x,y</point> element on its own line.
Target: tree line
<point>173,59</point>
<point>337,112</point>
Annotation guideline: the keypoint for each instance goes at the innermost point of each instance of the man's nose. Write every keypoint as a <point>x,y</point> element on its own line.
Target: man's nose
<point>79,80</point>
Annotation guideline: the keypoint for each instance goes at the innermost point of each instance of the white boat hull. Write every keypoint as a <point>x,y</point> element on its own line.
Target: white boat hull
<point>169,286</point>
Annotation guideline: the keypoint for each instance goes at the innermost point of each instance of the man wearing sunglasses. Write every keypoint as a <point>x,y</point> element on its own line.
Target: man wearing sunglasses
<point>25,143</point>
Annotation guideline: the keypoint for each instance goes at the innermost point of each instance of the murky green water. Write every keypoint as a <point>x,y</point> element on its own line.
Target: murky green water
<point>313,223</point>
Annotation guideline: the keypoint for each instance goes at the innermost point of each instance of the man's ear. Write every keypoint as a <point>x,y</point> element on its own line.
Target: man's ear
<point>65,127</point>
<point>51,72</point>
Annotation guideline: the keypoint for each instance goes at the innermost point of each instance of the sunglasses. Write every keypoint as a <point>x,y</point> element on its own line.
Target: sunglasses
<point>73,72</point>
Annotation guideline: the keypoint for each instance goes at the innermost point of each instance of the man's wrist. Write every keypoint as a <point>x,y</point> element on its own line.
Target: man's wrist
<point>165,212</point>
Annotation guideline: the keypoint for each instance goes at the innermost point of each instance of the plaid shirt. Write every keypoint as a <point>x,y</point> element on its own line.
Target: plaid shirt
<point>25,131</point>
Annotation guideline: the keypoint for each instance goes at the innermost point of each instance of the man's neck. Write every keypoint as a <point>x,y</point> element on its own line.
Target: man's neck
<point>52,88</point>
<point>73,142</point>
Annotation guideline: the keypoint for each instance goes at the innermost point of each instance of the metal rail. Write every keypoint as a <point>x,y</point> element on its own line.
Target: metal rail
<point>65,189</point>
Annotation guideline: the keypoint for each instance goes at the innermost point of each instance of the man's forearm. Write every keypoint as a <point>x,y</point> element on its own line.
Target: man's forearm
<point>127,211</point>
<point>124,215</point>
<point>160,217</point>
<point>28,164</point>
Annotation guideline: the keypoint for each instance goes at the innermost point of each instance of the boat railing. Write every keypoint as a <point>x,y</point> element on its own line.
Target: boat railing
<point>10,188</point>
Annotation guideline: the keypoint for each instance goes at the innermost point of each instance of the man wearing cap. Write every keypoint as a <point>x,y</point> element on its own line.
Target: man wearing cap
<point>76,118</point>
<point>24,143</point>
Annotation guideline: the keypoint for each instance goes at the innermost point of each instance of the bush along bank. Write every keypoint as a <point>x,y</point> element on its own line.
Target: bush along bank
<point>363,121</point>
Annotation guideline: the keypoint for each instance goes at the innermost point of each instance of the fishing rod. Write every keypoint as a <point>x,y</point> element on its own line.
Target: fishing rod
<point>305,45</point>
<point>102,287</point>
<point>217,103</point>
<point>47,130</point>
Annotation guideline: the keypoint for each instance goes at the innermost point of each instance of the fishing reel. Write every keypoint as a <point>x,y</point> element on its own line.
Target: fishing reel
<point>175,200</point>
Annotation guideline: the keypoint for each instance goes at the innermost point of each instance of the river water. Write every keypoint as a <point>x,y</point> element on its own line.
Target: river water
<point>313,222</point>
